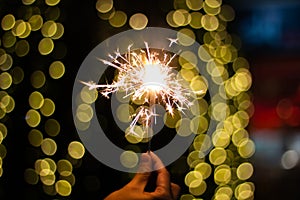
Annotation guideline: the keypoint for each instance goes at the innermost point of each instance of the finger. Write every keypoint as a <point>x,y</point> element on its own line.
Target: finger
<point>142,176</point>
<point>163,177</point>
<point>175,189</point>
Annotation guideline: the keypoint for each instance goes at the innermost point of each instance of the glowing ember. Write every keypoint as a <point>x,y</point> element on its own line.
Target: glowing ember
<point>143,76</point>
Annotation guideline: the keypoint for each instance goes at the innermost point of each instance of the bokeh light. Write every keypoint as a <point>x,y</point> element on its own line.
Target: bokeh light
<point>138,21</point>
<point>129,159</point>
<point>76,150</point>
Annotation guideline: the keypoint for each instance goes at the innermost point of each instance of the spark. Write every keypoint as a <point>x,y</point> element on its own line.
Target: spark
<point>172,41</point>
<point>142,75</point>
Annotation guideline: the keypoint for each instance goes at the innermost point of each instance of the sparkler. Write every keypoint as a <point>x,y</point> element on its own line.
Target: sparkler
<point>147,78</point>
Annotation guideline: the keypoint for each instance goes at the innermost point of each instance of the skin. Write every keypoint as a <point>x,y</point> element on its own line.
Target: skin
<point>135,189</point>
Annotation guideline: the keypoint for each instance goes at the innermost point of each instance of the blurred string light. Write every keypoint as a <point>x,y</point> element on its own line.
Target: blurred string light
<point>19,32</point>
<point>231,144</point>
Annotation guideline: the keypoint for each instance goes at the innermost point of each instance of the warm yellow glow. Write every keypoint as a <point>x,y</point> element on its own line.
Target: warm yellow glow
<point>64,167</point>
<point>187,197</point>
<point>222,175</point>
<point>203,53</point>
<point>19,28</point>
<point>191,177</point>
<point>48,107</point>
<point>88,96</point>
<point>3,151</point>
<point>52,2</point>
<point>199,85</point>
<point>30,176</point>
<point>194,158</point>
<point>244,171</point>
<point>246,148</point>
<point>217,156</point>
<point>76,150</point>
<point>8,22</point>
<point>224,193</point>
<point>197,187</point>
<point>187,56</point>
<point>118,19</point>
<point>46,45</point>
<point>227,13</point>
<point>84,112</point>
<point>209,22</point>
<point>129,159</point>
<point>202,142</point>
<point>205,169</point>
<point>221,138</point>
<point>199,125</point>
<point>183,127</point>
<point>170,19</point>
<point>196,20</point>
<point>36,22</point>
<point>171,120</point>
<point>211,10</point>
<point>42,167</point>
<point>181,17</point>
<point>28,2</point>
<point>27,31</point>
<point>22,48</point>
<point>38,79</point>
<point>194,4</point>
<point>138,21</point>
<point>5,80</point>
<point>49,189</point>
<point>59,31</point>
<point>49,146</point>
<point>56,69</point>
<point>48,179</point>
<point>214,3</point>
<point>33,118</point>
<point>35,137</point>
<point>108,15</point>
<point>49,28</point>
<point>8,39</point>
<point>3,130</point>
<point>63,188</point>
<point>52,127</point>
<point>104,6</point>
<point>71,179</point>
<point>244,190</point>
<point>36,100</point>
<point>81,125</point>
<point>124,112</point>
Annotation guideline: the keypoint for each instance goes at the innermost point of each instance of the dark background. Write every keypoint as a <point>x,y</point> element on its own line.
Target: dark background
<point>270,36</point>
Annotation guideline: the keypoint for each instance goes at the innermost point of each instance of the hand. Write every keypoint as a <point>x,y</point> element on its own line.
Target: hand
<point>135,189</point>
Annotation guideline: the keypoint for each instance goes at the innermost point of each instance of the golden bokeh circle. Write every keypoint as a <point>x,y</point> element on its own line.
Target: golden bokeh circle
<point>138,21</point>
<point>49,146</point>
<point>76,149</point>
<point>8,22</point>
<point>35,137</point>
<point>33,118</point>
<point>63,187</point>
<point>129,159</point>
<point>56,69</point>
<point>46,46</point>
<point>37,79</point>
<point>48,107</point>
<point>52,127</point>
<point>36,100</point>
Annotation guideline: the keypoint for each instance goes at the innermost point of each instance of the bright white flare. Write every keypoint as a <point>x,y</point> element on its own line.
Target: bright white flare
<point>143,76</point>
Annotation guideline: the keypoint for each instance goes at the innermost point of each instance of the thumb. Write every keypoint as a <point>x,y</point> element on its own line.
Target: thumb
<point>144,171</point>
